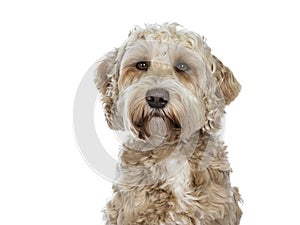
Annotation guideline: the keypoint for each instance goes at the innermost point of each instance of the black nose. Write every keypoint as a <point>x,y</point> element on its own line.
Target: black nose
<point>157,98</point>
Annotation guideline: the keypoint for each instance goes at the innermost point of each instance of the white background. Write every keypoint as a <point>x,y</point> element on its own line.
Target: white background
<point>47,46</point>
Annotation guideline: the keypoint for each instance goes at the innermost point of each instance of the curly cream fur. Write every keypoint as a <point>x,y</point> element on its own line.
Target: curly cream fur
<point>173,168</point>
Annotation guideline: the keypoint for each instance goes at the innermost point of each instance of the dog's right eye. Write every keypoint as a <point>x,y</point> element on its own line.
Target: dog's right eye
<point>143,65</point>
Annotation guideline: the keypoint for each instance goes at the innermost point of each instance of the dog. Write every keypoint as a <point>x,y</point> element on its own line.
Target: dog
<point>167,92</point>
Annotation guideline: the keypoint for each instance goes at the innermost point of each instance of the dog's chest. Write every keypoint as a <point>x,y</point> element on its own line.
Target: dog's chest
<point>178,181</point>
<point>178,171</point>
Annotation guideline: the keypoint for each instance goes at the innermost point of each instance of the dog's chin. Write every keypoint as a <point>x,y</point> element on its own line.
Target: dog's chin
<point>157,128</point>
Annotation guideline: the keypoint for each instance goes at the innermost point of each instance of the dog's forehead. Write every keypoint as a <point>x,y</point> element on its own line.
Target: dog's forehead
<point>156,50</point>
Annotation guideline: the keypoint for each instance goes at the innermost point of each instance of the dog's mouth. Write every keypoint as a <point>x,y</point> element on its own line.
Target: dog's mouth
<point>173,121</point>
<point>157,123</point>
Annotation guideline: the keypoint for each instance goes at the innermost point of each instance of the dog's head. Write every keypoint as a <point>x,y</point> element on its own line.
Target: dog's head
<point>164,82</point>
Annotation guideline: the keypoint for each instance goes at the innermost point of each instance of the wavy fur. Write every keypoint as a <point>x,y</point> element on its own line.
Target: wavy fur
<point>173,168</point>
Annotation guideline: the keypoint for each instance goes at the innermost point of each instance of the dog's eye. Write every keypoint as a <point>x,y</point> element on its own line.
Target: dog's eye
<point>143,65</point>
<point>181,67</point>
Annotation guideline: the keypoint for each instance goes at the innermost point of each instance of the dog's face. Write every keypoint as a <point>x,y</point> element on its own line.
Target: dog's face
<point>164,84</point>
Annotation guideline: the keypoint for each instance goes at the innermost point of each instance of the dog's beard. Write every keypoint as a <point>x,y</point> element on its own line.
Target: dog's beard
<point>155,125</point>
<point>166,125</point>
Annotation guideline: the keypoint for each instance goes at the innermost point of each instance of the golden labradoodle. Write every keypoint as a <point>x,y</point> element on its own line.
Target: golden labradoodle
<point>167,92</point>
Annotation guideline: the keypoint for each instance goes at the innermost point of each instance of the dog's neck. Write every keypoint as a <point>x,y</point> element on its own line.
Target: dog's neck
<point>156,144</point>
<point>162,162</point>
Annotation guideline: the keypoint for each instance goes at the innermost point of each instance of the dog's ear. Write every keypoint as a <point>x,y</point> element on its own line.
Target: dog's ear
<point>105,80</point>
<point>105,71</point>
<point>229,86</point>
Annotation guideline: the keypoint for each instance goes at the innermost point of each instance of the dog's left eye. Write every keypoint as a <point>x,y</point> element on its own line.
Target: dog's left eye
<point>143,65</point>
<point>181,67</point>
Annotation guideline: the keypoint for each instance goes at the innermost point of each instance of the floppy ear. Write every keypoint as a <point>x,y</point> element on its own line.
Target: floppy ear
<point>229,86</point>
<point>105,71</point>
<point>106,83</point>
